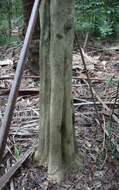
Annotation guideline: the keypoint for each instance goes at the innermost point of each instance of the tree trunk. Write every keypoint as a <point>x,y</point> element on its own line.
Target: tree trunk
<point>33,57</point>
<point>9,7</point>
<point>56,140</point>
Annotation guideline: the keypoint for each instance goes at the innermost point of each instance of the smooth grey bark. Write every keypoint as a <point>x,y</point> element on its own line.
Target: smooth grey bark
<point>56,140</point>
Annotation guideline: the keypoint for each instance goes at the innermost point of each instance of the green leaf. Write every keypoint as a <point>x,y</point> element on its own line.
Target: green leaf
<point>16,152</point>
<point>110,79</point>
<point>116,155</point>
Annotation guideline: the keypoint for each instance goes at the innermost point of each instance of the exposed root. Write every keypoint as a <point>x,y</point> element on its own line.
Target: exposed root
<point>36,156</point>
<point>56,177</point>
<point>40,159</point>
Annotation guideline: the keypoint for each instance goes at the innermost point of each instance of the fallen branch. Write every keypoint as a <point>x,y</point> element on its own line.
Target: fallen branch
<point>7,150</point>
<point>92,103</point>
<point>84,77</point>
<point>21,92</point>
<point>6,177</point>
<point>10,77</point>
<point>103,103</point>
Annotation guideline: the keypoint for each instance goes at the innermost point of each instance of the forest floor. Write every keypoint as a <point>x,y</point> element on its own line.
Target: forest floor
<point>98,142</point>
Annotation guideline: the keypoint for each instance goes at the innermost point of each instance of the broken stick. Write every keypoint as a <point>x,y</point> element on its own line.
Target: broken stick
<point>6,177</point>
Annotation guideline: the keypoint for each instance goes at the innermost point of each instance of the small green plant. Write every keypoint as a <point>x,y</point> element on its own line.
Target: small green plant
<point>105,29</point>
<point>111,126</point>
<point>113,145</point>
<point>16,152</point>
<point>116,155</point>
<point>101,156</point>
<point>110,79</point>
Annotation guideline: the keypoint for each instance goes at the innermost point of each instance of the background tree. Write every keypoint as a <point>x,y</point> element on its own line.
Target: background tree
<point>33,57</point>
<point>56,140</point>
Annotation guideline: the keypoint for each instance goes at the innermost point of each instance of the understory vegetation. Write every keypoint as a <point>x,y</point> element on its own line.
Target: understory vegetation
<point>11,20</point>
<point>98,18</point>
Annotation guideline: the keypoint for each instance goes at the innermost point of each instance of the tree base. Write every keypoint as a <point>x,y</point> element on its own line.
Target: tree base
<point>40,159</point>
<point>58,175</point>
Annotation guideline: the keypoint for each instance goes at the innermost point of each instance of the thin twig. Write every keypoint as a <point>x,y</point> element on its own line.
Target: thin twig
<point>88,79</point>
<point>9,77</point>
<point>104,105</point>
<point>104,134</point>
<point>115,100</point>
<point>92,103</point>
<point>105,158</point>
<point>86,39</point>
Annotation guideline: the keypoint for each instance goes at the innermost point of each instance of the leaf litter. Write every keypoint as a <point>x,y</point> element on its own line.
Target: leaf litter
<point>101,171</point>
